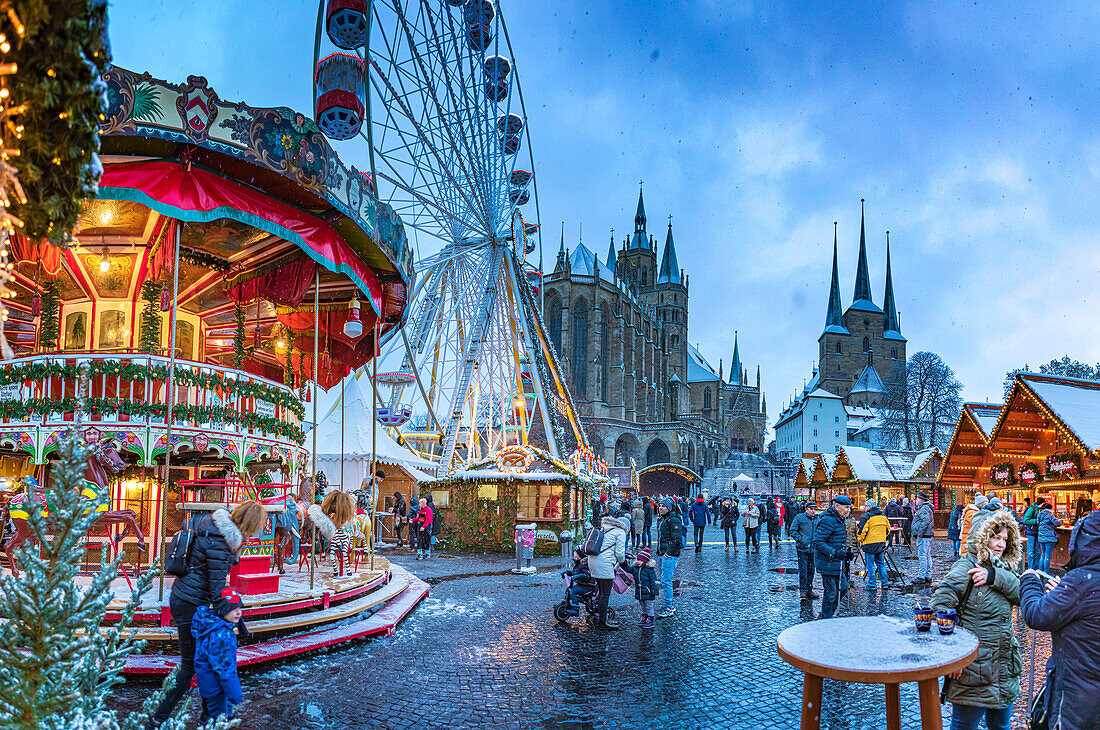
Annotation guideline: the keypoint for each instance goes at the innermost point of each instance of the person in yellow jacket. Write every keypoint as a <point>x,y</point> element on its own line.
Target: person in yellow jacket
<point>968,514</point>
<point>874,531</point>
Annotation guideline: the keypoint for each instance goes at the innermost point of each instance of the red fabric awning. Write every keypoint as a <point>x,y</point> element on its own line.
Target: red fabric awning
<point>197,195</point>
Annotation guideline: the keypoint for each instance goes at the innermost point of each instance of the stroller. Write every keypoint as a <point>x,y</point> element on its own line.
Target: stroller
<point>590,599</point>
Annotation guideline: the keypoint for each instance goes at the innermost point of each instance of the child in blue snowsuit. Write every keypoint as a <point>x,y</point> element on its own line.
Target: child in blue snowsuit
<point>583,582</point>
<point>216,655</point>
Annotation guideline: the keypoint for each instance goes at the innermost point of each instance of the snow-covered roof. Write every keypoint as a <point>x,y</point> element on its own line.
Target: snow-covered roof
<point>893,335</point>
<point>881,465</point>
<point>822,393</point>
<point>865,305</point>
<point>985,416</point>
<point>860,413</point>
<point>835,329</point>
<point>1074,401</point>
<point>868,382</point>
<point>829,462</point>
<point>698,369</point>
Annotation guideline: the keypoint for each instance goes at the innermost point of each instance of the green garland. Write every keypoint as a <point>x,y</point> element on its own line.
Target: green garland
<point>61,60</point>
<point>239,352</point>
<point>51,310</point>
<point>149,336</point>
<point>204,260</point>
<point>1006,468</point>
<point>155,373</point>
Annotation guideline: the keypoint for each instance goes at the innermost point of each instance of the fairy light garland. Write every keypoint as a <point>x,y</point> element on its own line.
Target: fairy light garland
<point>11,132</point>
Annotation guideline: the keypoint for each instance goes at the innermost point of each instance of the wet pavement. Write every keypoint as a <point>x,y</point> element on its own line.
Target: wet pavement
<point>484,650</point>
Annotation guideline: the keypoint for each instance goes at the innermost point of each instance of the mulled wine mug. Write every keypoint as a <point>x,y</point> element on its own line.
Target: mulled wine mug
<point>923,616</point>
<point>945,621</point>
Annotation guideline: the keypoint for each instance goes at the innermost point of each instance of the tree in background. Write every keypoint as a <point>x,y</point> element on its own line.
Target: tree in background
<point>1065,368</point>
<point>923,404</point>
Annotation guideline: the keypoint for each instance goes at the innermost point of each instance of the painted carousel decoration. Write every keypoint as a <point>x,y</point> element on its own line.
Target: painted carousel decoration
<point>226,246</point>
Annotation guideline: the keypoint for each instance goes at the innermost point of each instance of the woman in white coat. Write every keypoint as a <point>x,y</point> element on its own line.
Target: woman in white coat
<point>615,527</point>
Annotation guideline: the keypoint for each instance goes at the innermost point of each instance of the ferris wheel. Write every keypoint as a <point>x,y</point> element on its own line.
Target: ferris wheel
<point>433,88</point>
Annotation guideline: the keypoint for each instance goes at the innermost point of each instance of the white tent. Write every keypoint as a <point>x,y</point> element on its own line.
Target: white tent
<point>743,477</point>
<point>357,427</point>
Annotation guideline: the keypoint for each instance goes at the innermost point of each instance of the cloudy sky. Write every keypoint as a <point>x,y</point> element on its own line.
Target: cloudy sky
<point>970,129</point>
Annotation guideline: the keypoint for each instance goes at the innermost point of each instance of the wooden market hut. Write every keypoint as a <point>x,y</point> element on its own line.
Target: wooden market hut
<point>859,473</point>
<point>1045,443</point>
<point>967,452</point>
<point>803,470</point>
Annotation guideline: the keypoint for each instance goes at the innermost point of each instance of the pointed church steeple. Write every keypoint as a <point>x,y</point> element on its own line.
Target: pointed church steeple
<point>611,253</point>
<point>639,239</point>
<point>735,365</point>
<point>561,250</point>
<point>891,324</point>
<point>639,217</point>
<point>834,320</point>
<point>861,298</point>
<point>670,269</point>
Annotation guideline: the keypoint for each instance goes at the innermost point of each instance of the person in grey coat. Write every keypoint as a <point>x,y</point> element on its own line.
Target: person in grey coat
<point>923,531</point>
<point>802,530</point>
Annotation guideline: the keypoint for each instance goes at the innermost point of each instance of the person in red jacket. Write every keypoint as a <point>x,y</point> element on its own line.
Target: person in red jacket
<point>424,521</point>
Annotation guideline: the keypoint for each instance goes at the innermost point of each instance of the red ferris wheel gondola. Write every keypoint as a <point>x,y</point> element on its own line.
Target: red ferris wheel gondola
<point>339,86</point>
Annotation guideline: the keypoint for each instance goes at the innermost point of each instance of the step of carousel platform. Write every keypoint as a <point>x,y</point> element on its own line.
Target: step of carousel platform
<point>378,614</point>
<point>256,584</point>
<point>252,565</point>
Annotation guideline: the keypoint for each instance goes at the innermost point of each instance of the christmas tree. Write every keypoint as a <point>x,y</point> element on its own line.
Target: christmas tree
<point>57,666</point>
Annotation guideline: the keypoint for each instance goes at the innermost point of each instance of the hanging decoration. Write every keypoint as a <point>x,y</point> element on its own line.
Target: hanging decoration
<point>1002,474</point>
<point>51,309</point>
<point>239,351</point>
<point>149,334</point>
<point>1064,466</point>
<point>165,299</point>
<point>61,55</point>
<point>1029,473</point>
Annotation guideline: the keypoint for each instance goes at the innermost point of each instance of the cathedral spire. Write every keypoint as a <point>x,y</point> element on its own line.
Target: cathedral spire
<point>561,250</point>
<point>639,217</point>
<point>611,253</point>
<point>890,322</point>
<point>758,377</point>
<point>834,318</point>
<point>670,269</point>
<point>735,364</point>
<point>861,298</point>
<point>639,239</point>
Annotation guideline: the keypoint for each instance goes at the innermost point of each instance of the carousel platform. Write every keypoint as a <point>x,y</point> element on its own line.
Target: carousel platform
<point>296,620</point>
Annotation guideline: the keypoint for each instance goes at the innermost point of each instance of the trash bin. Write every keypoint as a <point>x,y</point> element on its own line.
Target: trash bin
<point>525,549</point>
<point>566,540</point>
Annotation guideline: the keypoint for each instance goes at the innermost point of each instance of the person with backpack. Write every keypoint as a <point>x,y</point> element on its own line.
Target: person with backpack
<point>602,565</point>
<point>669,543</point>
<point>1070,611</point>
<point>213,548</point>
<point>982,588</point>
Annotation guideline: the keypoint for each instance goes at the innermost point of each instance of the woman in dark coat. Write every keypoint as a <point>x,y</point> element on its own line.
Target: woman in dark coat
<point>1071,613</point>
<point>730,514</point>
<point>774,524</point>
<point>215,549</point>
<point>954,528</point>
<point>400,515</point>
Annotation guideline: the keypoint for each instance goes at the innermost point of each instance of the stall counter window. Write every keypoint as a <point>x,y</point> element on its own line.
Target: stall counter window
<point>540,501</point>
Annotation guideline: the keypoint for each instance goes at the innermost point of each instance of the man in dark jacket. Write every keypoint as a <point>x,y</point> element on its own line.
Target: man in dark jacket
<point>700,517</point>
<point>893,509</point>
<point>669,543</point>
<point>907,524</point>
<point>647,525</point>
<point>831,551</point>
<point>802,530</point>
<point>923,531</point>
<point>1071,612</point>
<point>599,509</point>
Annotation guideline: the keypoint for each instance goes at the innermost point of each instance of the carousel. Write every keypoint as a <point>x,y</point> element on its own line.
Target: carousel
<point>229,265</point>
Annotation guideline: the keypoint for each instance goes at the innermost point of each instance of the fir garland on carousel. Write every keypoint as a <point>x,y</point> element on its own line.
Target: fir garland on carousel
<point>51,309</point>
<point>149,334</point>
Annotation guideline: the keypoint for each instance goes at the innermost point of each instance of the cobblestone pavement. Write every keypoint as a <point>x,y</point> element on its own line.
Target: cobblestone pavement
<point>484,650</point>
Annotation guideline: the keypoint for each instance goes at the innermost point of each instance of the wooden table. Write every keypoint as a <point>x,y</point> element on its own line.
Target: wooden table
<point>875,650</point>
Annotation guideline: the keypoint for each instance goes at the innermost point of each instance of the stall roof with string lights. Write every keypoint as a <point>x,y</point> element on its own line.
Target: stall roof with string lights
<point>969,447</point>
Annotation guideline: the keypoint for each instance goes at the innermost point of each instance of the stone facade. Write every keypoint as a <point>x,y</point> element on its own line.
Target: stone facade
<point>620,328</point>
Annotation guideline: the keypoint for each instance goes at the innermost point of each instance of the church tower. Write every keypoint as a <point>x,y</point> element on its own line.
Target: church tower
<point>672,312</point>
<point>638,261</point>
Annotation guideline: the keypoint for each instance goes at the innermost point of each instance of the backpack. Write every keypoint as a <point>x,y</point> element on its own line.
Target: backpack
<point>178,559</point>
<point>593,543</point>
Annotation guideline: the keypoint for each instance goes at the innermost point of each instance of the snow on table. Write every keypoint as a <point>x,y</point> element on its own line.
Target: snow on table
<point>875,644</point>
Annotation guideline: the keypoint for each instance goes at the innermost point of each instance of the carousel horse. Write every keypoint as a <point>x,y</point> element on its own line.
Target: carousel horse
<point>286,537</point>
<point>103,462</point>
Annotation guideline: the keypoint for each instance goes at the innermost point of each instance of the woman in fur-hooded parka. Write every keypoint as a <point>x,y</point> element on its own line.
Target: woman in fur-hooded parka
<point>993,679</point>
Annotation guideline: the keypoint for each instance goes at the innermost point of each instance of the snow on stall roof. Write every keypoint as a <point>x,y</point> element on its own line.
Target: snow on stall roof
<point>886,644</point>
<point>882,465</point>
<point>1076,402</point>
<point>829,460</point>
<point>985,415</point>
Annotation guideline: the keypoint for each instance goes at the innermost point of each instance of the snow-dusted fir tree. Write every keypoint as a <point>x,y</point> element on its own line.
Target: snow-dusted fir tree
<point>57,666</point>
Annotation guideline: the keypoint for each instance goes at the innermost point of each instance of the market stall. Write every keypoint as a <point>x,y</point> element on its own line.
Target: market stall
<point>860,473</point>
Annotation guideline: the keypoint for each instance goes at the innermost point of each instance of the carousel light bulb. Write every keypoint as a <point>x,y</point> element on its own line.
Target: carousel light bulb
<point>280,345</point>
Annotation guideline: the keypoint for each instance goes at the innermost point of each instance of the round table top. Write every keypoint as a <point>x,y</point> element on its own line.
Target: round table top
<point>875,649</point>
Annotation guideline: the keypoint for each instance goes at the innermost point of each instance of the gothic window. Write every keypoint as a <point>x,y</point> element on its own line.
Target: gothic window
<point>605,355</point>
<point>706,399</point>
<point>866,344</point>
<point>580,347</point>
<point>839,349</point>
<point>553,320</point>
<point>893,353</point>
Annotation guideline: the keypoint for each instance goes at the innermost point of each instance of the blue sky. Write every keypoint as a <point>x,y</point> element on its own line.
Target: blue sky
<point>969,128</point>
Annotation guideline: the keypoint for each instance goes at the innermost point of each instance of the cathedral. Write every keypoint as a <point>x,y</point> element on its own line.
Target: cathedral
<point>620,329</point>
<point>861,352</point>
